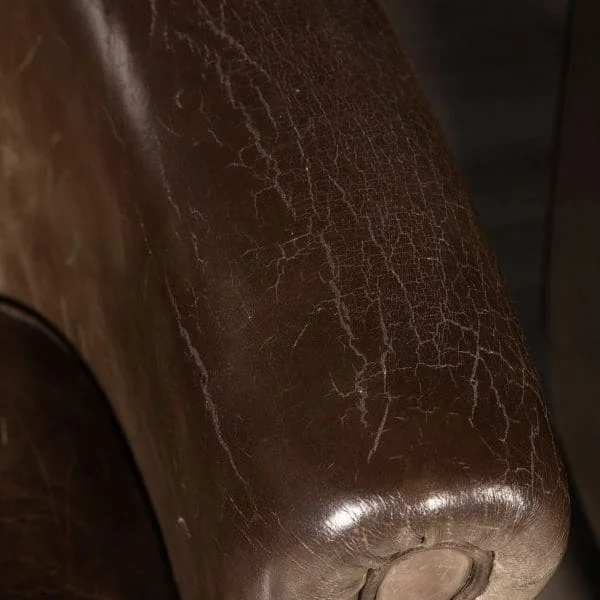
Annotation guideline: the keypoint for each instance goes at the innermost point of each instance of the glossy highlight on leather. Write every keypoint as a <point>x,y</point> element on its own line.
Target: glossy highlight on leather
<point>243,216</point>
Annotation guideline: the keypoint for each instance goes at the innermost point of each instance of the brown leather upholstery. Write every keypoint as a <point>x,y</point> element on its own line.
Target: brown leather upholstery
<point>74,519</point>
<point>244,218</point>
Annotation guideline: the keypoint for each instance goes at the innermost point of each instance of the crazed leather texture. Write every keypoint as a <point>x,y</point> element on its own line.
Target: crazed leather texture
<point>243,216</point>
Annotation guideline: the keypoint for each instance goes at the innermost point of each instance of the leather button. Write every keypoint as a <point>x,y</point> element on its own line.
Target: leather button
<point>438,574</point>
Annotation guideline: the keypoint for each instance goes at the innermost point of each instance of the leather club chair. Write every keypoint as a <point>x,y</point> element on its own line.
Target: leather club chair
<point>249,311</point>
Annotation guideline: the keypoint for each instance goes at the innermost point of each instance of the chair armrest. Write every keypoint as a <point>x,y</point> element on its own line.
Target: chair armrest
<point>244,217</point>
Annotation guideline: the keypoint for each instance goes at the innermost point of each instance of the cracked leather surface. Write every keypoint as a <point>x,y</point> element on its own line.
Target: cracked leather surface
<point>243,216</point>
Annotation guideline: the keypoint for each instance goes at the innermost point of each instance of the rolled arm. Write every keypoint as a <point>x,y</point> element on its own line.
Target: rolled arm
<point>244,217</point>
